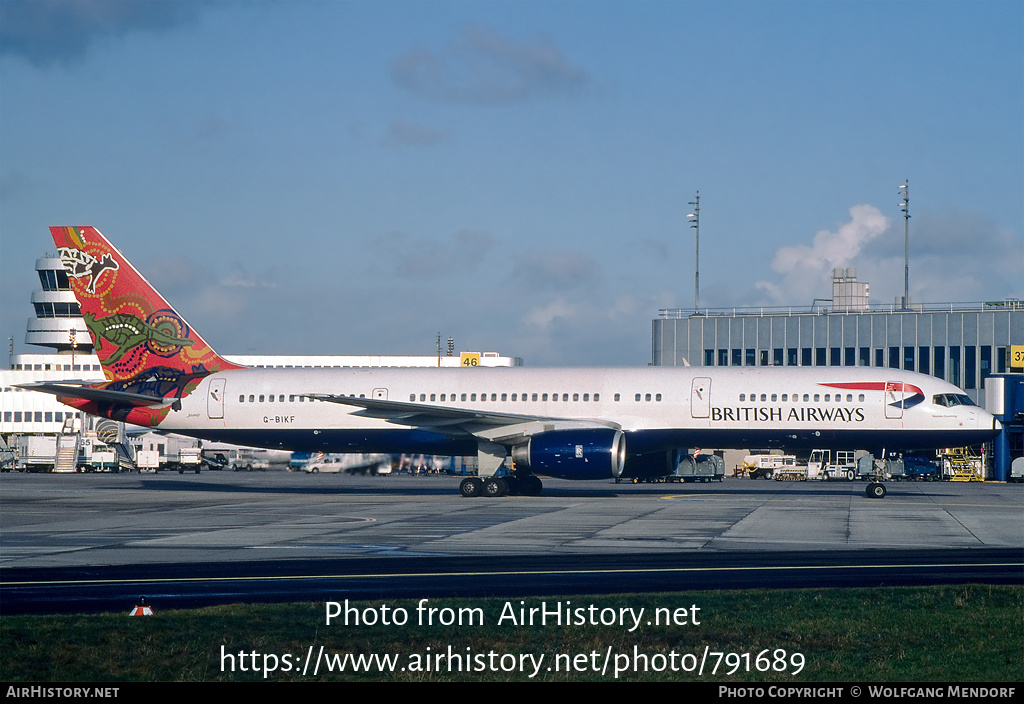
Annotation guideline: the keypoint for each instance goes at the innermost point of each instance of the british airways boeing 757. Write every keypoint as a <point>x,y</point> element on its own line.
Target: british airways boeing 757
<point>568,423</point>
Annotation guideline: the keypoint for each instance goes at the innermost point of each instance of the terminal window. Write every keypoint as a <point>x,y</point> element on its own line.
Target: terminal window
<point>970,362</point>
<point>953,376</point>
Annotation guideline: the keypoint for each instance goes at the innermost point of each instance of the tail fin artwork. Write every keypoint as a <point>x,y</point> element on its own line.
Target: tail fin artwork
<point>150,356</point>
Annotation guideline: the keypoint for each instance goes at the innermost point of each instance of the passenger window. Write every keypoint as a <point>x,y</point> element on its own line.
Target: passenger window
<point>860,398</point>
<point>743,397</point>
<point>241,399</point>
<point>657,397</point>
<point>647,397</point>
<point>597,397</point>
<point>638,397</point>
<point>412,397</point>
<point>774,398</point>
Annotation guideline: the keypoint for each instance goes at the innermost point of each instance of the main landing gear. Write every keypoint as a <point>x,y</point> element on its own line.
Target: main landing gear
<point>875,490</point>
<point>493,487</point>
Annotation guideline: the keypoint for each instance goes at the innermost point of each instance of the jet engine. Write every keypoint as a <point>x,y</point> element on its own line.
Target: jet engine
<point>586,453</point>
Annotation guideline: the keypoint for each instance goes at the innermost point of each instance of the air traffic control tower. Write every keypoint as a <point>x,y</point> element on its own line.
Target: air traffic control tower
<point>963,343</point>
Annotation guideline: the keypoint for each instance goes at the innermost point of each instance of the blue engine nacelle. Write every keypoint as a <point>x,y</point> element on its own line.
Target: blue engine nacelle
<point>588,453</point>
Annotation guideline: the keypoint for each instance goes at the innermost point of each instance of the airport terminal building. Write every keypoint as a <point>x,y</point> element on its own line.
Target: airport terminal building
<point>963,343</point>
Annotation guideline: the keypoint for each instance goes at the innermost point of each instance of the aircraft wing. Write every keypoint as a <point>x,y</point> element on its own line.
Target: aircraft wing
<point>493,427</point>
<point>78,390</point>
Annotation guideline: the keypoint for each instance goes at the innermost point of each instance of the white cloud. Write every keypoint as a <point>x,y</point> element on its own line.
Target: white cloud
<point>483,67</point>
<point>806,270</point>
<point>543,316</point>
<point>956,257</point>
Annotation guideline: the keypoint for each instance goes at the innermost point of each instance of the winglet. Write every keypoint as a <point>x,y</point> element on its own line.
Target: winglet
<point>133,328</point>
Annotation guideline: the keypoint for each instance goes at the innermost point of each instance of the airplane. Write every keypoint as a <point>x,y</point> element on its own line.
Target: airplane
<point>573,423</point>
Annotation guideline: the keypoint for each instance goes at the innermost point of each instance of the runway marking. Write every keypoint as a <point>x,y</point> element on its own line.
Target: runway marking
<point>504,573</point>
<point>789,500</point>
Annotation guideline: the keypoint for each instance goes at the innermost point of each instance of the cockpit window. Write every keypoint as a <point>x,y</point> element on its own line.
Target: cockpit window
<point>950,400</point>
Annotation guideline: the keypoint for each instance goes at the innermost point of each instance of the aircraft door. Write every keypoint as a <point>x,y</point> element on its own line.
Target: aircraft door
<point>215,399</point>
<point>382,394</point>
<point>700,397</point>
<point>894,399</point>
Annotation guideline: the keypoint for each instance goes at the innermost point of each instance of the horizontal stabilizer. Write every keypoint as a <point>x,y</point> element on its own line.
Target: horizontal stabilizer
<point>89,393</point>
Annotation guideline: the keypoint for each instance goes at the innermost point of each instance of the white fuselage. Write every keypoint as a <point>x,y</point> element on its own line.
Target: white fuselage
<point>657,408</point>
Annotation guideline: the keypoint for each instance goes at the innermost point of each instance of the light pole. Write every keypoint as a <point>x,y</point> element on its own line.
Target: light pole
<point>695,225</point>
<point>904,191</point>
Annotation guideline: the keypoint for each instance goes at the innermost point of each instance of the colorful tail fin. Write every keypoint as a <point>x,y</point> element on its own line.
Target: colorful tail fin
<point>134,330</point>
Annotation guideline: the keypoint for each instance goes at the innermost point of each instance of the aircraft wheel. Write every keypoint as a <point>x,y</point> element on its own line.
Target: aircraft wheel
<point>495,487</point>
<point>514,485</point>
<point>875,490</point>
<point>470,487</point>
<point>531,486</point>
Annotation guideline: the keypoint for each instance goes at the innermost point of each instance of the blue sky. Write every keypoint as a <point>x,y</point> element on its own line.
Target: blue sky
<point>354,177</point>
